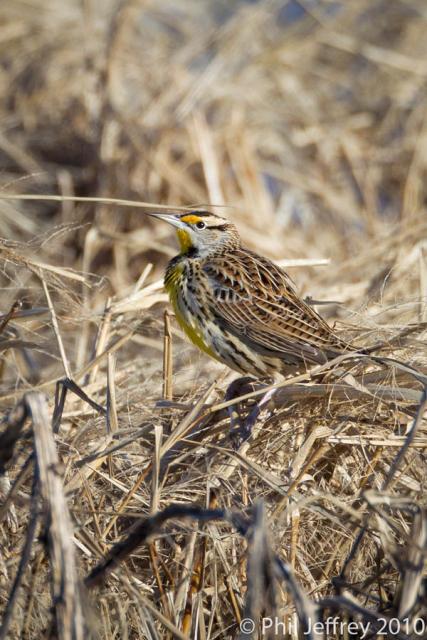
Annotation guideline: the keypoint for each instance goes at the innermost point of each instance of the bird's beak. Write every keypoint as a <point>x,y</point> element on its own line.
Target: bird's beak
<point>171,218</point>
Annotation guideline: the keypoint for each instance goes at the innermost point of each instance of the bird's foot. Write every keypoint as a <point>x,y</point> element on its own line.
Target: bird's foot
<point>241,427</point>
<point>246,428</point>
<point>238,387</point>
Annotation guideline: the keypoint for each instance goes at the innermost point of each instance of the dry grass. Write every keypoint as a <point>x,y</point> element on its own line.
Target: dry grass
<point>313,133</point>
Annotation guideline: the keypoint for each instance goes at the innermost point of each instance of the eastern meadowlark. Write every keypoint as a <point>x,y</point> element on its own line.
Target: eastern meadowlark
<point>239,307</point>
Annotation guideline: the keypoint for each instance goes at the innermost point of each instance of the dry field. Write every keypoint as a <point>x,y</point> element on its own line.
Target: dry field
<point>128,510</point>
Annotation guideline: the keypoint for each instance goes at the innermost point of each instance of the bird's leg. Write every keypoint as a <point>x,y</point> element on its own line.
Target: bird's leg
<point>245,429</point>
<point>238,387</point>
<point>249,423</point>
<point>241,429</point>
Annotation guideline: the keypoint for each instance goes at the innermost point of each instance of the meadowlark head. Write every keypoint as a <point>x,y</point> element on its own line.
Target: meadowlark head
<point>201,231</point>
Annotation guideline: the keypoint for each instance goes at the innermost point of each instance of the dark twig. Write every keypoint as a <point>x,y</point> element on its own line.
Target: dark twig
<point>409,439</point>
<point>23,562</point>
<point>7,317</point>
<point>375,620</point>
<point>15,421</point>
<point>142,531</point>
<point>64,385</point>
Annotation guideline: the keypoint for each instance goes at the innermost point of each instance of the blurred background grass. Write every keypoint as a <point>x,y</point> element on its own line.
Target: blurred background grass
<point>308,118</point>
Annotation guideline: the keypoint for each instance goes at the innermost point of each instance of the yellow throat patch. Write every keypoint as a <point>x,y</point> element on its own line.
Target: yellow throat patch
<point>184,240</point>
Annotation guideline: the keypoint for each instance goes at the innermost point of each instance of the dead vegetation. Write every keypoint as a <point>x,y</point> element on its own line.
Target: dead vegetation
<point>135,515</point>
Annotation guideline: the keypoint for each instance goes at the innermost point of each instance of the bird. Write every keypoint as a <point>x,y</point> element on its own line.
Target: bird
<point>240,307</point>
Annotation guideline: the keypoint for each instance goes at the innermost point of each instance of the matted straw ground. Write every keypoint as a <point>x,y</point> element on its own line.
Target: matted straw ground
<point>312,132</point>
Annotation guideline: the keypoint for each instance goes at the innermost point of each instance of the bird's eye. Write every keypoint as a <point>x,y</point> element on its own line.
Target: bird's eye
<point>200,225</point>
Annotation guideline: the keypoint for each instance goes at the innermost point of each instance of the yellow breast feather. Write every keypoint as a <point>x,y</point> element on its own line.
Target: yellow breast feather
<point>193,332</point>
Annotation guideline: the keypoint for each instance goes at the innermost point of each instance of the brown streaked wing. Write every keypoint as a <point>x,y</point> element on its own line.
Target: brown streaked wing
<point>255,300</point>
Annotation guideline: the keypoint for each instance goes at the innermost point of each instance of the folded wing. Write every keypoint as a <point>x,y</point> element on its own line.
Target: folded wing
<point>255,300</point>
